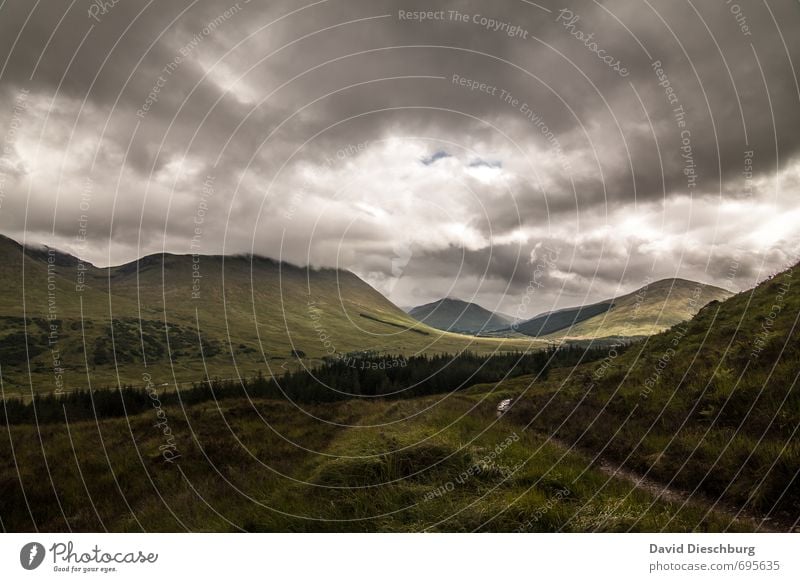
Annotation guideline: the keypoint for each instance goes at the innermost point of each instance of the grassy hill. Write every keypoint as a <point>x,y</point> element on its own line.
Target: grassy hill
<point>711,406</point>
<point>648,310</point>
<point>459,316</point>
<point>180,318</point>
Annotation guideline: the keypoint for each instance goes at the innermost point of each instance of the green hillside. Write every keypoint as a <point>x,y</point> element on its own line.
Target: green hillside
<point>181,318</point>
<point>648,310</point>
<point>710,406</point>
<point>459,316</point>
<point>562,319</point>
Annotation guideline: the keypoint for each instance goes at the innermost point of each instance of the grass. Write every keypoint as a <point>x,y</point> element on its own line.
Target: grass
<point>652,309</point>
<point>710,406</point>
<point>440,463</point>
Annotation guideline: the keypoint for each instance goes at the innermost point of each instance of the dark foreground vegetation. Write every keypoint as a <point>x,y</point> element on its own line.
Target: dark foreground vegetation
<point>353,375</point>
<point>443,462</point>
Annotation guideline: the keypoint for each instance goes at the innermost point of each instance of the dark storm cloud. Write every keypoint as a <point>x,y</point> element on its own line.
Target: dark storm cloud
<point>149,100</point>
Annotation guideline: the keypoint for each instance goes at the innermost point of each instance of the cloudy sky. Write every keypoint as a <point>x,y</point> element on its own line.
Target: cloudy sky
<point>585,146</point>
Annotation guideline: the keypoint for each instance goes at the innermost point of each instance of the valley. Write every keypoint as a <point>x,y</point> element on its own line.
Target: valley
<point>689,429</point>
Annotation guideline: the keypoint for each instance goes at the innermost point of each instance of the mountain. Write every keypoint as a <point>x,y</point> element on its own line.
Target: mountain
<point>553,321</point>
<point>459,316</point>
<point>693,429</point>
<point>181,318</point>
<point>710,405</point>
<point>653,308</point>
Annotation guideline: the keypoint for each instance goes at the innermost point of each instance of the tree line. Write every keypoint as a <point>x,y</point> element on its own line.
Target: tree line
<point>351,376</point>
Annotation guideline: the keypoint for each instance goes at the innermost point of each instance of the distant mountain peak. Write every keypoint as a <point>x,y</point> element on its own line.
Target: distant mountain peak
<point>40,251</point>
<point>454,314</point>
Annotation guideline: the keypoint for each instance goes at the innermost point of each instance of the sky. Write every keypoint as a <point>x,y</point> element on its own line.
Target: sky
<point>522,155</point>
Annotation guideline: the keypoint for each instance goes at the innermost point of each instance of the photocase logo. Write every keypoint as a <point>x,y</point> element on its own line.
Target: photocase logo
<point>31,555</point>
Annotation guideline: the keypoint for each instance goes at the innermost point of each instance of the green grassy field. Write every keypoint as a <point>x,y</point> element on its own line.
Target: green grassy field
<point>443,463</point>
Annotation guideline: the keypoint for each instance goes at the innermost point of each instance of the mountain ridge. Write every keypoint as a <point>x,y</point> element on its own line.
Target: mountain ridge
<point>453,314</point>
<point>649,309</point>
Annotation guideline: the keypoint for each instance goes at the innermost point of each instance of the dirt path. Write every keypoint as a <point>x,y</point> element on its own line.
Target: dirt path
<point>663,492</point>
<point>772,524</point>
